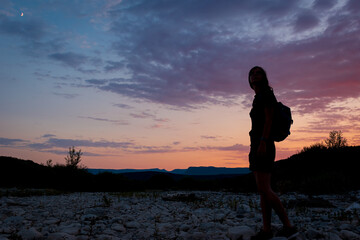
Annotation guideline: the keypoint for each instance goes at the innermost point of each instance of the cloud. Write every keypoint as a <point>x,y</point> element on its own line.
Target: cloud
<point>233,148</point>
<point>169,149</point>
<point>324,4</point>
<point>35,34</point>
<point>11,141</point>
<point>142,115</point>
<point>67,95</point>
<point>121,105</point>
<point>117,122</point>
<point>354,6</point>
<point>188,54</point>
<point>209,137</point>
<point>79,62</point>
<point>31,29</point>
<point>154,149</point>
<point>236,147</point>
<point>60,145</point>
<point>305,21</point>
<point>52,144</point>
<point>114,66</point>
<point>70,59</point>
<point>48,135</point>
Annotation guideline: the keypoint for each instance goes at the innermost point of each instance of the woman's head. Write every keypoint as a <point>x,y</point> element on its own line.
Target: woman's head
<point>258,78</point>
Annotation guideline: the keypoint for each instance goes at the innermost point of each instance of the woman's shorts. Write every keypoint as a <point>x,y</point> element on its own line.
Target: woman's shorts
<point>262,163</point>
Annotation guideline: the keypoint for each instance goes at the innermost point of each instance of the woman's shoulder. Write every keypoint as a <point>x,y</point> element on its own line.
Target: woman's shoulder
<point>268,94</point>
<point>266,98</point>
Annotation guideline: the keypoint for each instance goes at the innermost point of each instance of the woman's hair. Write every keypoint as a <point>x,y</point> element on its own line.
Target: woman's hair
<point>265,83</point>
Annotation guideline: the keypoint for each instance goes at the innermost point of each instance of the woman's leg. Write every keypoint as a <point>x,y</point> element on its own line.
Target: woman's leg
<point>269,200</point>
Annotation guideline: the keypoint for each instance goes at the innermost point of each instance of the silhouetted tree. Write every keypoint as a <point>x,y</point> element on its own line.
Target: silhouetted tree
<point>49,163</point>
<point>335,140</point>
<point>73,158</point>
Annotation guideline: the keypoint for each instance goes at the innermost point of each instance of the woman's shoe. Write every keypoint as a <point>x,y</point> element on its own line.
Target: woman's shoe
<point>262,235</point>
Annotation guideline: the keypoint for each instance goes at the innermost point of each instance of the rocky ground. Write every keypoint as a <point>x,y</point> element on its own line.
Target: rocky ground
<point>171,215</point>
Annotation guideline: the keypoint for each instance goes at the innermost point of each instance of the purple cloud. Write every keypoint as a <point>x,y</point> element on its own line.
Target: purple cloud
<point>48,135</point>
<point>114,66</point>
<point>65,143</point>
<point>121,105</point>
<point>142,115</point>
<point>324,4</point>
<point>34,33</point>
<point>209,137</point>
<point>117,122</point>
<point>67,95</point>
<point>305,21</point>
<point>11,141</point>
<point>354,6</point>
<point>31,29</point>
<point>70,59</point>
<point>187,54</point>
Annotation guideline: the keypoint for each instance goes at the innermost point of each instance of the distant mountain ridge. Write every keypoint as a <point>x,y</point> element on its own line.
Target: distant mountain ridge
<point>190,171</point>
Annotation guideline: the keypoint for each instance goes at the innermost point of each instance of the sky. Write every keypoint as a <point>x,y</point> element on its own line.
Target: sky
<point>163,84</point>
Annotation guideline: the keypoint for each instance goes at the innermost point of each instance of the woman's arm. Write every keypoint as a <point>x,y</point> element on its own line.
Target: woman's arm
<point>269,114</point>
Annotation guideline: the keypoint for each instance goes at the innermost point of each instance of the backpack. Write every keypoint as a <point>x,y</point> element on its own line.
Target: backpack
<point>282,122</point>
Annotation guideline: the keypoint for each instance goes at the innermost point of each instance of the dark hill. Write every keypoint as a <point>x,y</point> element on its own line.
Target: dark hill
<point>319,170</point>
<point>314,171</point>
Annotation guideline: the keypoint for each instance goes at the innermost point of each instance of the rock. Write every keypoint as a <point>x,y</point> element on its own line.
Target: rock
<point>181,197</point>
<point>241,232</point>
<point>197,235</point>
<point>164,227</point>
<point>82,237</point>
<point>185,227</point>
<point>118,227</point>
<point>60,236</point>
<point>11,202</point>
<point>14,221</point>
<point>146,233</point>
<point>310,203</point>
<point>349,235</point>
<point>132,224</point>
<point>30,234</point>
<point>314,234</point>
<point>51,221</point>
<point>18,211</point>
<point>243,208</point>
<point>6,229</point>
<point>106,237</point>
<point>345,226</point>
<point>72,229</point>
<point>333,236</point>
<point>88,217</point>
<point>353,207</point>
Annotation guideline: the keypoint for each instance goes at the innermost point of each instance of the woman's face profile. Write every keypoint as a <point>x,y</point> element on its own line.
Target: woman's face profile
<point>256,77</point>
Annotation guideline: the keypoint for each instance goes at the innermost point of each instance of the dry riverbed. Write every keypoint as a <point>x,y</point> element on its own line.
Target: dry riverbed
<point>171,215</point>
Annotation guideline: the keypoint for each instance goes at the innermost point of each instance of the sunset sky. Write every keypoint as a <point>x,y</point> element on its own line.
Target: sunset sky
<point>163,84</point>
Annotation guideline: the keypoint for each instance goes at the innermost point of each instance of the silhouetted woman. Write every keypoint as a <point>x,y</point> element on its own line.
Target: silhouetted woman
<point>262,153</point>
